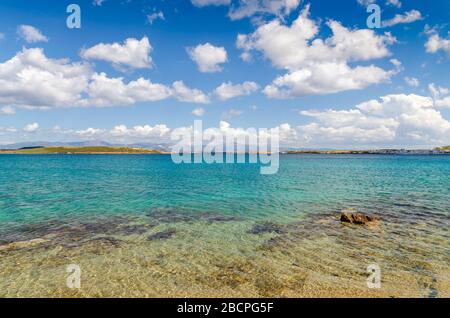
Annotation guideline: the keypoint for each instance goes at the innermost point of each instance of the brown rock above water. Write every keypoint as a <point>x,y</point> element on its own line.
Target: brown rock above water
<point>353,217</point>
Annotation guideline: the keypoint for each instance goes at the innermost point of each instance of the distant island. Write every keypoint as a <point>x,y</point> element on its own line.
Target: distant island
<point>123,150</point>
<point>439,150</point>
<point>446,149</point>
<point>80,150</point>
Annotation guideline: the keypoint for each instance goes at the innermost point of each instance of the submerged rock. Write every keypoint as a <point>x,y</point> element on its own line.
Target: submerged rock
<point>132,229</point>
<point>163,235</point>
<point>266,227</point>
<point>354,217</point>
<point>23,244</point>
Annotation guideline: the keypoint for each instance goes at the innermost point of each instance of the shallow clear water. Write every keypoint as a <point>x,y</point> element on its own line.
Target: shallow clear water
<point>188,223</point>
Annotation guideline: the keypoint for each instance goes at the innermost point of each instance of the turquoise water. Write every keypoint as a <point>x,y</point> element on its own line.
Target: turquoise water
<point>57,186</point>
<point>142,226</point>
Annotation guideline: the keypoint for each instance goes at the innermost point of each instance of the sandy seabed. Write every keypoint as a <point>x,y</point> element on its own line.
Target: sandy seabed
<point>171,254</point>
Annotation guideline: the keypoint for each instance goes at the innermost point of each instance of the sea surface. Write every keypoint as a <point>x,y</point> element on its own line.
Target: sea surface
<point>142,226</point>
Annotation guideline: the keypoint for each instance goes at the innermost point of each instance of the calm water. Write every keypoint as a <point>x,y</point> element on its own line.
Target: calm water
<point>213,209</point>
<point>39,187</point>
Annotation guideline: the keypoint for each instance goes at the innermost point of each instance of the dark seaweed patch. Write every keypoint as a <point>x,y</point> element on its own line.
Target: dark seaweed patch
<point>266,227</point>
<point>163,235</point>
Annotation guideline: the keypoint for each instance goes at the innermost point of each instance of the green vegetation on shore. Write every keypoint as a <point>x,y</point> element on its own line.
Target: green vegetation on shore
<point>80,150</point>
<point>446,148</point>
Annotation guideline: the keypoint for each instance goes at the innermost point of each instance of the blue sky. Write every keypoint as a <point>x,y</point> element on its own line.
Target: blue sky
<point>408,80</point>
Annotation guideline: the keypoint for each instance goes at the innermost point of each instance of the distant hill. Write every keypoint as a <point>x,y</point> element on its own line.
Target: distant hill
<point>446,148</point>
<point>80,150</point>
<point>90,143</point>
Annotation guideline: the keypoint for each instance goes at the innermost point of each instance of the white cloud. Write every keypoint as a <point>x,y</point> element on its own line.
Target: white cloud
<point>198,112</point>
<point>240,9</point>
<point>98,3</point>
<point>395,3</point>
<point>229,90</point>
<point>326,78</point>
<point>144,131</point>
<point>133,53</point>
<point>31,80</point>
<point>7,110</point>
<point>208,57</point>
<point>185,94</point>
<point>365,3</point>
<point>30,128</point>
<point>104,91</point>
<point>2,36</point>
<point>437,91</point>
<point>31,34</point>
<point>443,103</point>
<point>435,43</point>
<point>204,3</point>
<point>90,132</point>
<point>439,95</point>
<point>412,81</point>
<point>248,8</point>
<point>154,16</point>
<point>291,47</point>
<point>393,120</point>
<point>308,58</point>
<point>232,113</point>
<point>407,17</point>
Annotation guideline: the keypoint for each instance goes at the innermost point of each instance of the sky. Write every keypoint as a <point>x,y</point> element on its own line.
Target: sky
<point>137,69</point>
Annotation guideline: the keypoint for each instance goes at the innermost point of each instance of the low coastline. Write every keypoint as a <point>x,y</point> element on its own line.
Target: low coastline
<point>107,150</point>
<point>98,150</point>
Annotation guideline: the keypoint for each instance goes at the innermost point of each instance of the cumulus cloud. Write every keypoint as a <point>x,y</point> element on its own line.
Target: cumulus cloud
<point>412,81</point>
<point>315,65</point>
<point>229,90</point>
<point>239,9</point>
<point>208,57</point>
<point>89,132</point>
<point>133,53</point>
<point>291,47</point>
<point>435,43</point>
<point>105,91</point>
<point>232,113</point>
<point>121,133</point>
<point>31,34</point>
<point>143,131</point>
<point>30,128</point>
<point>32,80</point>
<point>198,112</point>
<point>326,78</point>
<point>395,3</point>
<point>407,17</point>
<point>185,94</point>
<point>396,120</point>
<point>437,91</point>
<point>365,3</point>
<point>7,110</point>
<point>248,8</point>
<point>393,119</point>
<point>155,16</point>
<point>204,3</point>
<point>98,3</point>
<point>439,95</point>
